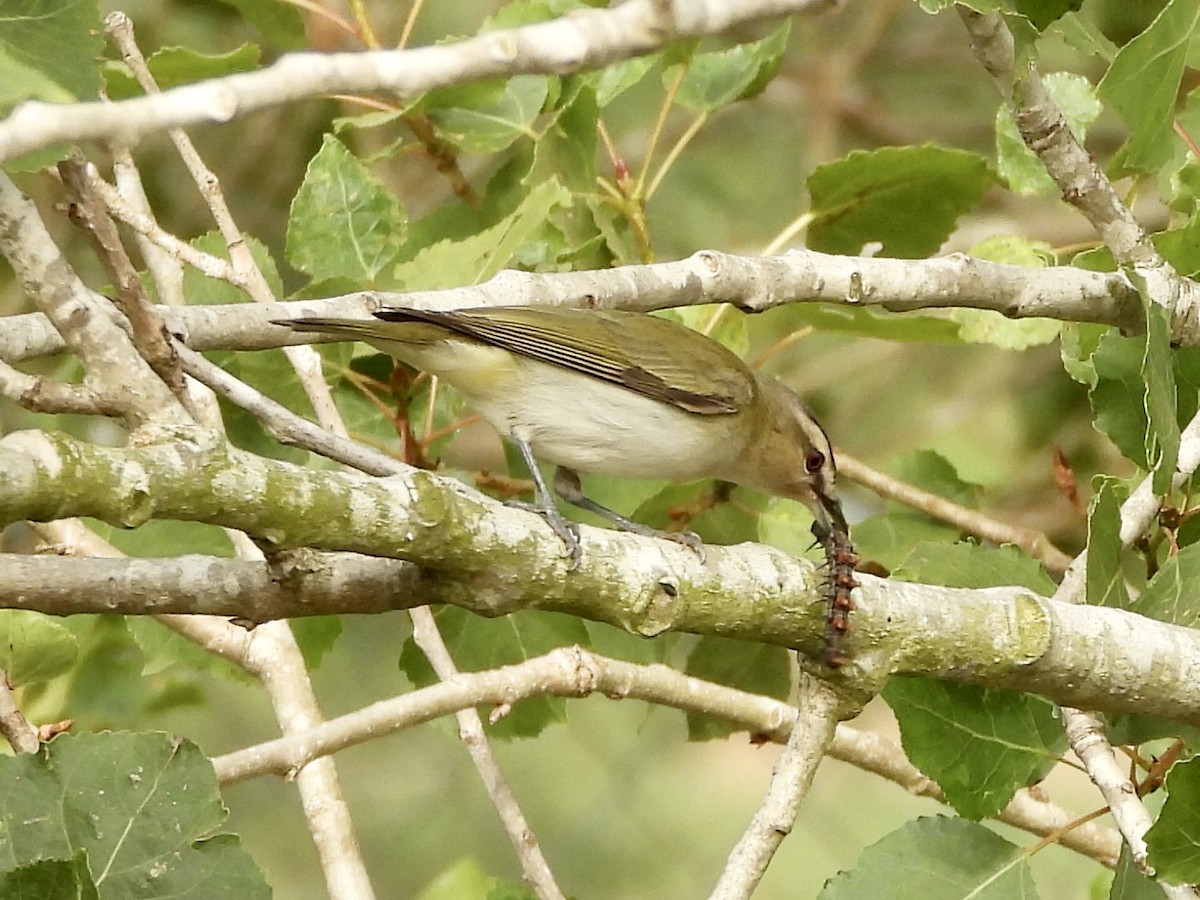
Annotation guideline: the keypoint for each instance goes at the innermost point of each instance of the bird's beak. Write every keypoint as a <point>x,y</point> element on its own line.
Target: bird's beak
<point>829,516</point>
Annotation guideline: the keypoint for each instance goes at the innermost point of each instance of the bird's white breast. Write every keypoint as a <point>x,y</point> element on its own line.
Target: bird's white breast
<point>595,426</point>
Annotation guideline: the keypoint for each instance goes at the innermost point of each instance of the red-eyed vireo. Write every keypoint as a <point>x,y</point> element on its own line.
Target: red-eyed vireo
<point>613,393</point>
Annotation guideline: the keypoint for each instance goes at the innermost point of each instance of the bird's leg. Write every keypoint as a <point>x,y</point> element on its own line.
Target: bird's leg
<point>543,505</point>
<point>568,486</point>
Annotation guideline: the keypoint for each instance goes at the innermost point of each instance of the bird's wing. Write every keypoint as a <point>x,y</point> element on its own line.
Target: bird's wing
<point>651,356</point>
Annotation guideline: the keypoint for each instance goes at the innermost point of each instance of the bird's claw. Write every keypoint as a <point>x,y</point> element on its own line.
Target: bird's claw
<point>689,539</point>
<point>568,532</point>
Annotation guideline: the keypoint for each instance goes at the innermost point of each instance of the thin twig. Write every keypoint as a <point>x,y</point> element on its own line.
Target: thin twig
<point>470,725</point>
<point>146,328</point>
<point>284,425</point>
<point>15,728</point>
<point>1035,543</point>
<point>40,394</point>
<point>812,732</point>
<point>113,369</point>
<point>574,672</point>
<point>304,360</point>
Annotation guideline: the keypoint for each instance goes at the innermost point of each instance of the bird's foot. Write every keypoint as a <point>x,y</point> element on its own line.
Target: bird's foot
<point>567,531</point>
<point>689,539</point>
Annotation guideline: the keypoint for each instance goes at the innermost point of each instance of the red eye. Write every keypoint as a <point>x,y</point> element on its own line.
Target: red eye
<point>814,461</point>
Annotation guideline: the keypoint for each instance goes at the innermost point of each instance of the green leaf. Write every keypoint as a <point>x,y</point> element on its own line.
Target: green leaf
<point>972,566</point>
<point>478,644</point>
<point>716,79</point>
<point>612,81</point>
<point>876,323</point>
<point>1105,581</point>
<point>464,880</point>
<point>1162,430</point>
<point>720,321</point>
<point>786,525</point>
<point>163,537</point>
<point>937,858</point>
<point>905,198</point>
<point>931,471</point>
<point>106,685</point>
<point>890,537</point>
<point>487,117</point>
<point>343,222</point>
<point>1083,34</point>
<point>1015,250</point>
<point>1134,728</point>
<point>280,23</point>
<point>19,82</point>
<point>34,648</point>
<point>316,636</point>
<point>733,519</point>
<point>1143,81</point>
<point>528,12</point>
<point>168,654</point>
<point>1131,376</point>
<point>1021,167</point>
<point>1171,595</point>
<point>51,50</point>
<point>1130,884</point>
<point>981,745</point>
<point>1118,397</point>
<point>758,668</point>
<point>567,151</point>
<point>1043,13</point>
<point>204,291</point>
<point>50,879</point>
<point>137,805</point>
<point>480,256</point>
<point>1077,344</point>
<point>1179,246</point>
<point>1174,848</point>
<point>1179,178</point>
<point>175,66</point>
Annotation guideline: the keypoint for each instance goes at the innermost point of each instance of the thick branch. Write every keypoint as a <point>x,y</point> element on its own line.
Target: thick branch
<point>494,560</point>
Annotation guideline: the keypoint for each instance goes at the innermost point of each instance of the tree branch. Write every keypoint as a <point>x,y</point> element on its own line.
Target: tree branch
<point>812,732</point>
<point>973,522</point>
<point>575,672</point>
<point>114,370</point>
<point>21,736</point>
<point>748,282</point>
<point>1090,657</point>
<point>587,39</point>
<point>1084,185</point>
<point>1079,177</point>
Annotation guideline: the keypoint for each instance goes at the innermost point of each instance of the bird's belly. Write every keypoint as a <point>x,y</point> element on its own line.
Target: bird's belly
<point>598,427</point>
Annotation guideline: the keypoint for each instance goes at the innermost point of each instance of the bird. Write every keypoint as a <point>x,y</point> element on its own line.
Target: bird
<point>617,393</point>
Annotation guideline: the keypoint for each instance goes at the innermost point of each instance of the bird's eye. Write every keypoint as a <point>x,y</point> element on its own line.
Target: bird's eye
<point>814,461</point>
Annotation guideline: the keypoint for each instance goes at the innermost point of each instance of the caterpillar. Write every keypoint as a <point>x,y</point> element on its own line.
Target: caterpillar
<point>841,561</point>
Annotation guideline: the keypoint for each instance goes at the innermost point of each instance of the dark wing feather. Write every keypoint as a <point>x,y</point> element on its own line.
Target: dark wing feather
<point>654,357</point>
